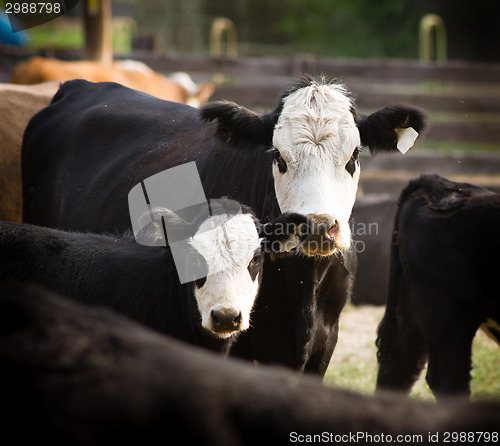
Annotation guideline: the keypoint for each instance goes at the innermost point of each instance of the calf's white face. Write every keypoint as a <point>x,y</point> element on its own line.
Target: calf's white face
<point>230,245</point>
<point>316,146</point>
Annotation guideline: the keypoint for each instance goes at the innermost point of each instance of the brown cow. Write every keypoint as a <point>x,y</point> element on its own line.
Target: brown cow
<point>18,103</point>
<point>132,74</point>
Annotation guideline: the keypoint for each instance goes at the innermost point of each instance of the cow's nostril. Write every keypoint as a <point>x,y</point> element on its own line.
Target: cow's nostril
<point>237,320</point>
<point>333,230</point>
<point>225,319</point>
<point>323,224</point>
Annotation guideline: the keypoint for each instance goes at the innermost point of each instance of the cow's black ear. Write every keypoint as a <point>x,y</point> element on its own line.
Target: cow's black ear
<point>239,126</point>
<point>381,130</point>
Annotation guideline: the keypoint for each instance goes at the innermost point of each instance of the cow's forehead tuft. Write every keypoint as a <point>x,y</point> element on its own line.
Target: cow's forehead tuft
<point>306,81</point>
<point>325,99</point>
<point>318,116</point>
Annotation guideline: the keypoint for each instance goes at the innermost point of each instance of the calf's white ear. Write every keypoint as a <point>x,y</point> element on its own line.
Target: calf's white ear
<point>391,128</point>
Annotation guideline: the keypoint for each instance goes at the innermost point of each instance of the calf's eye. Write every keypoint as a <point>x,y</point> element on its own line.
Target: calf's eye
<point>254,265</point>
<point>256,259</point>
<point>200,282</point>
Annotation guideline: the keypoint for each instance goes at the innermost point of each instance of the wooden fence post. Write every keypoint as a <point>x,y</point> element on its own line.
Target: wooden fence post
<point>433,41</point>
<point>98,25</point>
<point>223,26</point>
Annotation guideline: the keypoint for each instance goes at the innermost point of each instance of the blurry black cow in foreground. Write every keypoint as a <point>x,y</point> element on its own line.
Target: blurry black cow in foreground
<point>75,375</point>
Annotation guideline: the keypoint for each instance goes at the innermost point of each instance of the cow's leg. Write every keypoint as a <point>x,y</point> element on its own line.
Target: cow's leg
<point>450,349</point>
<point>401,353</point>
<point>320,359</point>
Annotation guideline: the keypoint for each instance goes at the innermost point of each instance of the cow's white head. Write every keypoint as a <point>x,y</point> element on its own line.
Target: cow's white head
<point>315,136</point>
<point>316,144</point>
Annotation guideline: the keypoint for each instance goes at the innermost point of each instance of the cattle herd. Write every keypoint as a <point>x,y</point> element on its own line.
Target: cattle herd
<point>101,341</point>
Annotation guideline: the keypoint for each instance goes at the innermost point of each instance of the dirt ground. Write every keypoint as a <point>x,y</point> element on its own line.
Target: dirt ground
<point>354,363</point>
<point>357,335</point>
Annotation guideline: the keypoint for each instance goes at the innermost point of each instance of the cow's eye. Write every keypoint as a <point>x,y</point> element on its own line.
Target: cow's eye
<point>254,265</point>
<point>200,282</point>
<point>351,164</point>
<point>256,259</point>
<point>355,154</point>
<point>278,159</point>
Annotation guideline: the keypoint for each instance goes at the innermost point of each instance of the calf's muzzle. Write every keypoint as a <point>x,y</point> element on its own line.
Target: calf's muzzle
<point>319,236</point>
<point>225,320</point>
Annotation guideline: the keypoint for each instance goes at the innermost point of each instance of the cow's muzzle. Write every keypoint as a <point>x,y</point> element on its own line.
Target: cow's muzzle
<point>318,237</point>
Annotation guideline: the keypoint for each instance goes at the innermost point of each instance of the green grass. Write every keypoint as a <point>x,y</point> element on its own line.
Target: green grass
<point>68,35</point>
<point>354,365</point>
<point>486,372</point>
<point>47,36</point>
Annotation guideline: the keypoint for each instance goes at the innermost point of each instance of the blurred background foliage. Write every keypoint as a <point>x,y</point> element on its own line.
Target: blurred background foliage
<point>332,28</point>
<point>328,28</point>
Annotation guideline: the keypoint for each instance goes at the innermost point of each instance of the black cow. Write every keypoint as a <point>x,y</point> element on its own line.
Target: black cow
<point>83,153</point>
<point>443,284</point>
<point>142,282</point>
<point>73,375</point>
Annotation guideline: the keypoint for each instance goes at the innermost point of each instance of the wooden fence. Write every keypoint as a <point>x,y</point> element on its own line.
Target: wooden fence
<point>462,98</point>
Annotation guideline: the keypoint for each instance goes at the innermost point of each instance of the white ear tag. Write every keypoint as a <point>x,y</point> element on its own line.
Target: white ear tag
<point>406,138</point>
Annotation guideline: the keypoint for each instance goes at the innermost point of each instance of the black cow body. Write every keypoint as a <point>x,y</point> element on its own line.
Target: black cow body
<point>138,281</point>
<point>83,153</point>
<point>80,376</point>
<point>443,284</point>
